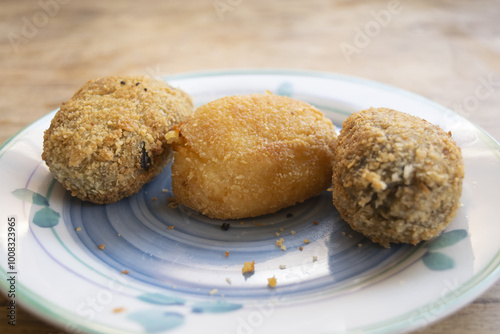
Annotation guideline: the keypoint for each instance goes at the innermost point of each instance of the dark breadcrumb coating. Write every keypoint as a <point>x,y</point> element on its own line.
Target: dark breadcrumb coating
<point>108,140</point>
<point>396,178</point>
<point>245,156</point>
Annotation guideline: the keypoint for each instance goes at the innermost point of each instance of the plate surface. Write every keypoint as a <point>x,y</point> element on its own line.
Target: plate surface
<point>163,267</point>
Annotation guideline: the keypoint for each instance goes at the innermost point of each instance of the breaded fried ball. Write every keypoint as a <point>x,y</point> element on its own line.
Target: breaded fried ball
<point>245,156</point>
<point>396,178</point>
<point>108,140</point>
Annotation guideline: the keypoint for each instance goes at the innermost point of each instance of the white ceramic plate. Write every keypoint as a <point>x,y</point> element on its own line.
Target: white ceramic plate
<point>180,280</point>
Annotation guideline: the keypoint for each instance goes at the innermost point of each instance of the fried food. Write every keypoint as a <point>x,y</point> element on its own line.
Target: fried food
<point>245,156</point>
<point>108,140</point>
<point>396,178</point>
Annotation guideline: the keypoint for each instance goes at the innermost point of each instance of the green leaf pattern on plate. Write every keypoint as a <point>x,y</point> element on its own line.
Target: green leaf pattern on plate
<point>165,319</point>
<point>45,217</point>
<point>447,239</point>
<point>285,89</point>
<point>30,196</point>
<point>155,320</point>
<point>217,306</point>
<point>437,260</point>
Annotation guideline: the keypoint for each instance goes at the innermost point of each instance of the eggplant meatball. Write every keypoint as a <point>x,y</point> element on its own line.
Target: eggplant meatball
<point>108,140</point>
<point>245,156</point>
<point>396,178</point>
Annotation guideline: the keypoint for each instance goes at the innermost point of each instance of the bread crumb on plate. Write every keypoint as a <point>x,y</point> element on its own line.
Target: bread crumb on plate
<point>248,267</point>
<point>272,282</point>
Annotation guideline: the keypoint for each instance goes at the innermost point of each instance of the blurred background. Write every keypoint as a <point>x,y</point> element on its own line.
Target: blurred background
<point>447,51</point>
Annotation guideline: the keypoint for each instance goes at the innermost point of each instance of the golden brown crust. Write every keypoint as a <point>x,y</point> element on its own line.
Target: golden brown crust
<point>95,141</point>
<point>245,156</point>
<point>397,178</point>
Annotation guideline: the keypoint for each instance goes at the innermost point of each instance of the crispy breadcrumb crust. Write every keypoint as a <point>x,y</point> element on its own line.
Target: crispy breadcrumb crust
<point>94,144</point>
<point>396,178</point>
<point>245,156</point>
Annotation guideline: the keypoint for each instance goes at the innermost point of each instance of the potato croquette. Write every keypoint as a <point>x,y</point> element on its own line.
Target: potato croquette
<point>245,156</point>
<point>108,140</point>
<point>396,178</point>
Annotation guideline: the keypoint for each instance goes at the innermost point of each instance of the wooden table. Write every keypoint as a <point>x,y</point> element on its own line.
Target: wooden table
<point>447,51</point>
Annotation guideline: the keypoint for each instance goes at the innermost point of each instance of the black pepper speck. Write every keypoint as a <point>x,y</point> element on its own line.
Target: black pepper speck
<point>225,226</point>
<point>145,158</point>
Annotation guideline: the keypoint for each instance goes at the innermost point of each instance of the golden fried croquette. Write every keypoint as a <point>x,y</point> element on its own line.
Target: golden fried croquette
<point>108,140</point>
<point>396,178</point>
<point>245,156</point>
